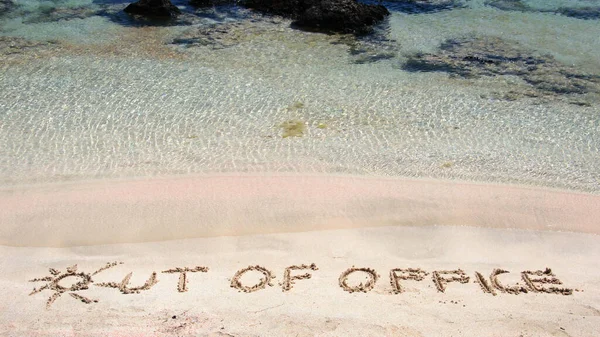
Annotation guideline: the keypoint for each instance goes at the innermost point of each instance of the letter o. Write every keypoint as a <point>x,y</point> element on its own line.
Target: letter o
<point>267,279</point>
<point>343,280</point>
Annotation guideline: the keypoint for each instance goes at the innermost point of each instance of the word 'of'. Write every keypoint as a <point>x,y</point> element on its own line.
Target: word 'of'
<point>539,281</point>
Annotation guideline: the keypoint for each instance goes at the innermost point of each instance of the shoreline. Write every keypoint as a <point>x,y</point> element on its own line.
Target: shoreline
<point>160,209</point>
<point>49,184</point>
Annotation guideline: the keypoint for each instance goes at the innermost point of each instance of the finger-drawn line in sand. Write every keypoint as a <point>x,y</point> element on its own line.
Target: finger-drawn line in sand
<point>83,299</point>
<point>267,279</point>
<point>288,280</point>
<point>543,277</point>
<point>440,281</point>
<point>398,274</point>
<point>373,277</point>
<point>515,290</point>
<point>183,280</point>
<point>56,277</point>
<point>124,285</point>
<point>483,283</point>
<point>107,266</point>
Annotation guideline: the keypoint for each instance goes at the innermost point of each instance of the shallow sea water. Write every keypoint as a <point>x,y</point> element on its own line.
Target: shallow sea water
<point>108,97</point>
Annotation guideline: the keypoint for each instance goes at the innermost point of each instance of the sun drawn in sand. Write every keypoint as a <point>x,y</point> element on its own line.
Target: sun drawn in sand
<point>85,279</point>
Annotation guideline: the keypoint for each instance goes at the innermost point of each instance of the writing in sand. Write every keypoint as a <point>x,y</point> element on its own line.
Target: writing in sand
<point>538,281</point>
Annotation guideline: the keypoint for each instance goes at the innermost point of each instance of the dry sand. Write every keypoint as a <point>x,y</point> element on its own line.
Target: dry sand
<point>295,236</point>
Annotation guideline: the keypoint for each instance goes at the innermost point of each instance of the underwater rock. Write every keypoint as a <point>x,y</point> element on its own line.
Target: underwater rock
<point>201,3</point>
<point>286,8</point>
<point>510,5</point>
<point>227,34</point>
<point>585,13</point>
<point>423,6</point>
<point>344,16</point>
<point>153,8</point>
<point>61,14</point>
<point>362,54</point>
<point>215,36</point>
<point>363,49</point>
<point>210,3</point>
<point>17,45</point>
<point>475,57</point>
<point>5,6</point>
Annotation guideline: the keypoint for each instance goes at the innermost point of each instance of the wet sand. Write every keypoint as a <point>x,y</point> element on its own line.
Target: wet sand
<point>206,206</point>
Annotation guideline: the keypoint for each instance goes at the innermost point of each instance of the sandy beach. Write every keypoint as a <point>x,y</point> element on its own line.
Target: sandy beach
<point>228,172</point>
<point>471,248</point>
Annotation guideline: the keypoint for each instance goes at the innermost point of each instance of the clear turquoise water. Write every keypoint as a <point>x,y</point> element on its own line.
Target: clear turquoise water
<point>111,99</point>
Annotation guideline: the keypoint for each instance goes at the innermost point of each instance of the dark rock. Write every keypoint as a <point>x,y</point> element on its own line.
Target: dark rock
<point>286,8</point>
<point>423,6</point>
<point>153,8</point>
<point>477,57</point>
<point>342,16</point>
<point>345,16</point>
<point>585,13</point>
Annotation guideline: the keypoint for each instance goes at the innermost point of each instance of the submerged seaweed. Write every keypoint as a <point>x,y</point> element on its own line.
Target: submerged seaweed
<point>293,128</point>
<point>510,5</point>
<point>54,14</point>
<point>226,34</point>
<point>423,6</point>
<point>5,6</point>
<point>475,57</point>
<point>419,6</point>
<point>585,13</point>
<point>364,55</point>
<point>371,48</point>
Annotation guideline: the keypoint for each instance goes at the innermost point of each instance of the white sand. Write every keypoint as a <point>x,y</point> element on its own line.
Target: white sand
<point>114,213</point>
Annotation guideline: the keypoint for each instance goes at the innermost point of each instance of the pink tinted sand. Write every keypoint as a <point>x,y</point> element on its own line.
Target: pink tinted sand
<point>205,206</point>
